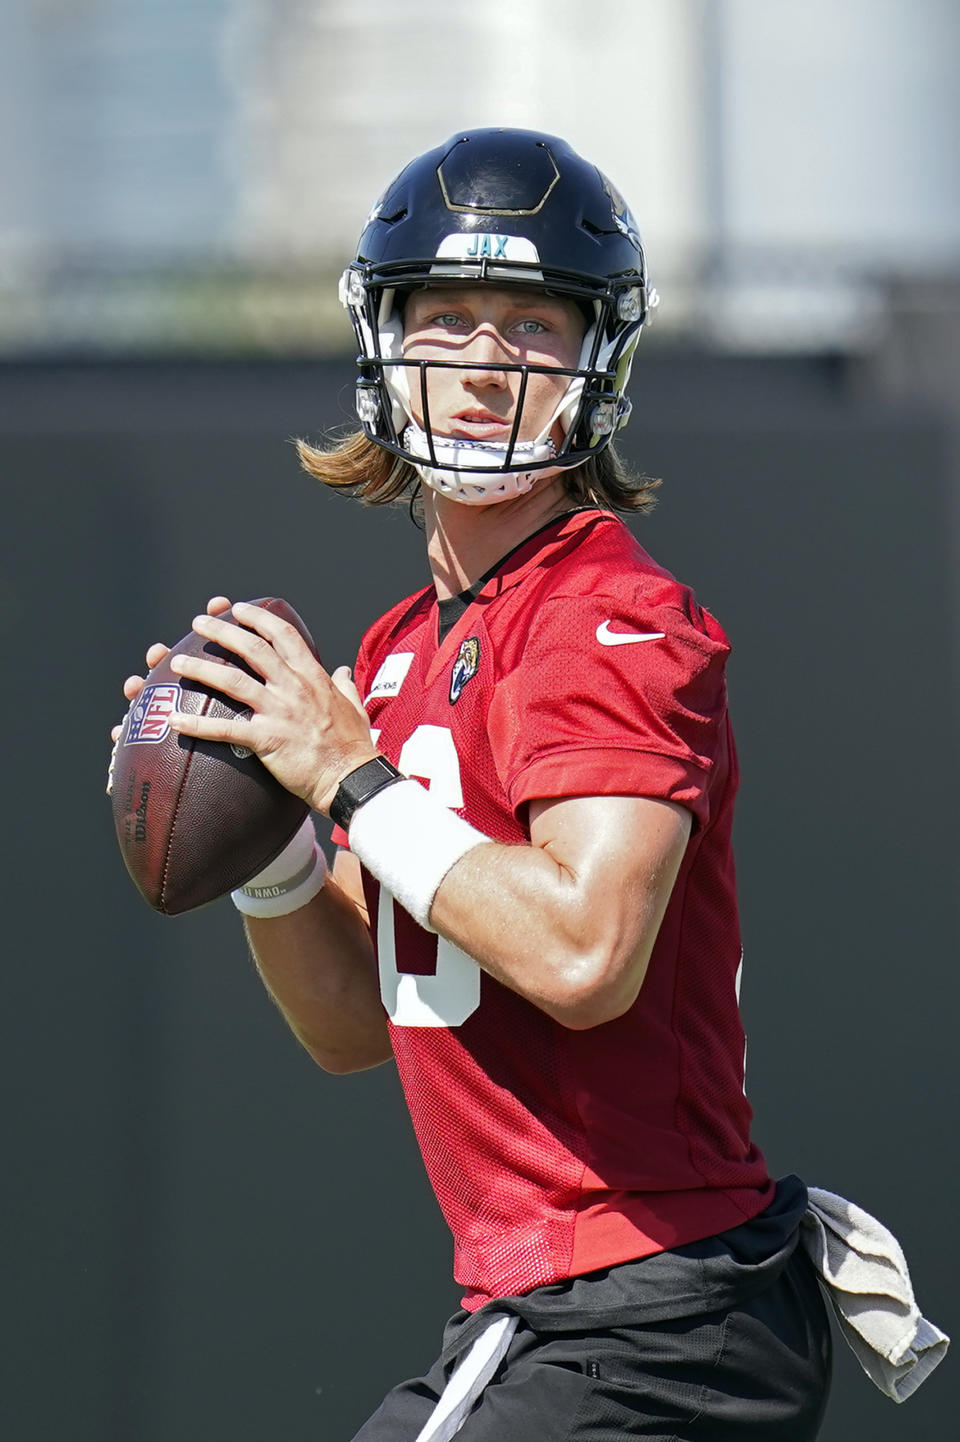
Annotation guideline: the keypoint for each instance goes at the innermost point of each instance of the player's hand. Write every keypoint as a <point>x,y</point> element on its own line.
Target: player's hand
<point>308,728</point>
<point>154,655</point>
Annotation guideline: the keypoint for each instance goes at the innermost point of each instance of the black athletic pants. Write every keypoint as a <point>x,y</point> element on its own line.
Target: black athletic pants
<point>758,1371</point>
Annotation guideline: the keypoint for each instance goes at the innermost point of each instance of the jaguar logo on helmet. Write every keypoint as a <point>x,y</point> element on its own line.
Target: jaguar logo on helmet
<point>622,216</point>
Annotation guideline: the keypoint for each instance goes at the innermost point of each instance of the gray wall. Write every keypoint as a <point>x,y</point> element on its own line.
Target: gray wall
<point>207,1238</point>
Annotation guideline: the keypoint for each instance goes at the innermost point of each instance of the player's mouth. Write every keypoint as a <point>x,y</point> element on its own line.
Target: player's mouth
<point>479,424</point>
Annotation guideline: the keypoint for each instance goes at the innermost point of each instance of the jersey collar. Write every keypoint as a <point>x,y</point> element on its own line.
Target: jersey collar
<point>512,568</point>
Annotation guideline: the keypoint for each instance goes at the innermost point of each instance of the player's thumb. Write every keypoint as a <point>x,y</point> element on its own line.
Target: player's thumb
<point>343,681</point>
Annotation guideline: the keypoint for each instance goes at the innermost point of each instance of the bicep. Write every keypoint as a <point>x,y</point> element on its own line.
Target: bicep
<point>622,854</point>
<point>631,833</point>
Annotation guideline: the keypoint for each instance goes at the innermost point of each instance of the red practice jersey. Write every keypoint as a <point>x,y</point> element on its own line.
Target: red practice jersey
<point>581,668</point>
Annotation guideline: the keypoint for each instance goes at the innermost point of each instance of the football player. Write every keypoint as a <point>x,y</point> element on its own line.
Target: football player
<point>532,777</point>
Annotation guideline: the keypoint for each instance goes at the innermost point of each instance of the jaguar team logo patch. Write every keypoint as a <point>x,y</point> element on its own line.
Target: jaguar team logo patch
<point>466,665</point>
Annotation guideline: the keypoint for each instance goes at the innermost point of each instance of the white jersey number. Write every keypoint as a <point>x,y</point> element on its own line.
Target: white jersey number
<point>452,993</point>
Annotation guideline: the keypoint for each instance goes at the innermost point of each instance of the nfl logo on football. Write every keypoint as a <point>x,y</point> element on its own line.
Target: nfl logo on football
<point>150,718</point>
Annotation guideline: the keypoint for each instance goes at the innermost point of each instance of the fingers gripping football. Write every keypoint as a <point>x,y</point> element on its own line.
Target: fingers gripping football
<point>301,724</point>
<point>155,653</point>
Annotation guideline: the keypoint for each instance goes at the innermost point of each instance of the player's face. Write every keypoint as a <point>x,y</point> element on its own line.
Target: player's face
<point>486,325</point>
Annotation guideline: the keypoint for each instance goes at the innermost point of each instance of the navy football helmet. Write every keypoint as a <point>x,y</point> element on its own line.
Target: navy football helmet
<point>499,207</point>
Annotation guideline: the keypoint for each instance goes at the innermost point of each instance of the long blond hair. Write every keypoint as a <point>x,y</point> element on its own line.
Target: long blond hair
<point>359,467</point>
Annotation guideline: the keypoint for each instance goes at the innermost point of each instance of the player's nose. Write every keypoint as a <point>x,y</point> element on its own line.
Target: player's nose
<point>484,356</point>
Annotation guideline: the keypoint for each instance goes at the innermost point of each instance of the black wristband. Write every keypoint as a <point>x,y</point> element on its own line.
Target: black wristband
<point>359,786</point>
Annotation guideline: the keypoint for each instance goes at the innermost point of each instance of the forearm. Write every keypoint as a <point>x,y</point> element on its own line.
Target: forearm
<point>318,965</point>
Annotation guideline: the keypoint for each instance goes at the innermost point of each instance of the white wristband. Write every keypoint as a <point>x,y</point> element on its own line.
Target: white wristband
<point>408,840</point>
<point>291,880</point>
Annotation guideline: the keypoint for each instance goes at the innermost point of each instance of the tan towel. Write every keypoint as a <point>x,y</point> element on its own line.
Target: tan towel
<point>864,1274</point>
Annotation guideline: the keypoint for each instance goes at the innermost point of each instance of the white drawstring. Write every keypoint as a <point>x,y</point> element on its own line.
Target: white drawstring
<point>468,1379</point>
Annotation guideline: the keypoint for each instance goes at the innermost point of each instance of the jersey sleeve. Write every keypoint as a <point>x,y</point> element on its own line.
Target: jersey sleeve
<point>588,712</point>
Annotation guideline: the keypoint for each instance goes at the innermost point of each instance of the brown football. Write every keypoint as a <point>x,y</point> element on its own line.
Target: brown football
<point>195,819</point>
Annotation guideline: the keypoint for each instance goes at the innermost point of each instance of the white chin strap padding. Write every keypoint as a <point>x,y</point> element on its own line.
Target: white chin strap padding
<point>472,488</point>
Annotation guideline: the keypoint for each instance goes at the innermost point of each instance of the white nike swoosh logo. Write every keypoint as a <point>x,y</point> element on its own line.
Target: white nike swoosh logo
<point>606,637</point>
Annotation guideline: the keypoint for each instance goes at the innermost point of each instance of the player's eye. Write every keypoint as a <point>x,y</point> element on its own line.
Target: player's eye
<point>530,326</point>
<point>448,319</point>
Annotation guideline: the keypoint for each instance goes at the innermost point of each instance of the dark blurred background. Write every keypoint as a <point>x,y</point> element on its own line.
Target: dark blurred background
<point>206,1237</point>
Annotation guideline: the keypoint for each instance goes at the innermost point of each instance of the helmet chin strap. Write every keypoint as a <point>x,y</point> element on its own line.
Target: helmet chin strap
<point>472,488</point>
